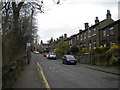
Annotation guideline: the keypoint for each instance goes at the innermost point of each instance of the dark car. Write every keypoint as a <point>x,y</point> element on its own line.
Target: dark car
<point>69,59</point>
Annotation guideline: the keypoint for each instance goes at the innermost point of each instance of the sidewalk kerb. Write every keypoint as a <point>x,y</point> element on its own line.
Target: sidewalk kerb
<point>104,71</point>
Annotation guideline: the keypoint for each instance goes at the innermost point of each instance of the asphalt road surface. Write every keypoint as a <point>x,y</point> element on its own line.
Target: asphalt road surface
<point>0,62</point>
<point>59,75</point>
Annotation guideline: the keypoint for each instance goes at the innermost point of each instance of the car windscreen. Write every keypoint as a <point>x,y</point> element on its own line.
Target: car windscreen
<point>52,53</point>
<point>70,57</point>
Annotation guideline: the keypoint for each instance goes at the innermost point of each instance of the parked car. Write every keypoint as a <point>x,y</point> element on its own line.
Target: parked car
<point>36,52</point>
<point>51,55</point>
<point>69,59</point>
<point>45,54</point>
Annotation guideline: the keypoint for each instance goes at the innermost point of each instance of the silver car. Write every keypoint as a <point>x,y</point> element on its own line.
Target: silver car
<point>51,55</point>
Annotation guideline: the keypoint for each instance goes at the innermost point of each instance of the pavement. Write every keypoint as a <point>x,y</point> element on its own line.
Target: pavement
<point>112,70</point>
<point>29,78</point>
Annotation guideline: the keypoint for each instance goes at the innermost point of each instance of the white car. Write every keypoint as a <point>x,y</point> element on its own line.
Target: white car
<point>36,52</point>
<point>51,55</point>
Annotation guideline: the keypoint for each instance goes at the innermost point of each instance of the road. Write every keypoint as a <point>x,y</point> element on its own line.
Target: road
<point>0,62</point>
<point>59,75</point>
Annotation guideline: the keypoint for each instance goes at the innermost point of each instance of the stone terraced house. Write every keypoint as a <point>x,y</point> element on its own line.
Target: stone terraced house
<point>103,33</point>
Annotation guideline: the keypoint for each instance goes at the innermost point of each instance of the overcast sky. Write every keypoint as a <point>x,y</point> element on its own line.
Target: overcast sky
<point>70,15</point>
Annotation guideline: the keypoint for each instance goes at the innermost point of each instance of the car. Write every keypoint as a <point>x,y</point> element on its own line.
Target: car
<point>36,52</point>
<point>45,54</point>
<point>51,55</point>
<point>69,59</point>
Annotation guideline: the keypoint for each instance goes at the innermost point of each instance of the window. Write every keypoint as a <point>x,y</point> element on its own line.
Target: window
<point>111,30</point>
<point>101,45</point>
<point>89,46</point>
<point>0,29</point>
<point>84,44</point>
<point>94,31</point>
<point>77,37</point>
<point>112,43</point>
<point>104,33</point>
<point>81,37</point>
<point>80,44</point>
<point>84,35</point>
<point>107,34</point>
<point>94,44</point>
<point>89,33</point>
<point>71,41</point>
<point>105,45</point>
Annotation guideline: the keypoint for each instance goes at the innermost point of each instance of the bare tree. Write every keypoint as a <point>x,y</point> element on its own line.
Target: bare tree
<point>18,27</point>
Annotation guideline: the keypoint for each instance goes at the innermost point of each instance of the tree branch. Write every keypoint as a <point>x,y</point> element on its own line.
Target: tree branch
<point>13,5</point>
<point>5,5</point>
<point>20,4</point>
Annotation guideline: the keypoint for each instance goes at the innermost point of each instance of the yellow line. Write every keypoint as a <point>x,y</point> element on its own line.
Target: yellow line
<point>61,70</point>
<point>45,80</point>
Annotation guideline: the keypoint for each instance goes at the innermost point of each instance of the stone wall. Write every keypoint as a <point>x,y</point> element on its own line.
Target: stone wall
<point>84,58</point>
<point>93,59</point>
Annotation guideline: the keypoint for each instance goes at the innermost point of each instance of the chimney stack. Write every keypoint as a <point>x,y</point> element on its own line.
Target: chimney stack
<point>108,15</point>
<point>80,30</point>
<point>65,35</point>
<point>86,25</point>
<point>96,20</point>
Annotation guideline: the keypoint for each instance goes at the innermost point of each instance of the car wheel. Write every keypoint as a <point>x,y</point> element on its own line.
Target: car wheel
<point>62,62</point>
<point>75,63</point>
<point>66,63</point>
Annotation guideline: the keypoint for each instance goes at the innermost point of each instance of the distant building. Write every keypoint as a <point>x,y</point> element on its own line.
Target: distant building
<point>35,47</point>
<point>44,46</point>
<point>53,45</point>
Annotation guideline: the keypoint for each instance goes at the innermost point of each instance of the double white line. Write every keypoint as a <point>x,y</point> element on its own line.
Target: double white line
<point>44,78</point>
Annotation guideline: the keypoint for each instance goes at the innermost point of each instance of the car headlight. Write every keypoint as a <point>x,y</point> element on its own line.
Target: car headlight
<point>68,59</point>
